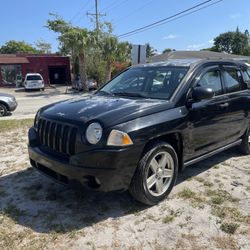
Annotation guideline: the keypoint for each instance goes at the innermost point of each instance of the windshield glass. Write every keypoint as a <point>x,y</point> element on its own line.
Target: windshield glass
<point>147,82</point>
<point>34,78</point>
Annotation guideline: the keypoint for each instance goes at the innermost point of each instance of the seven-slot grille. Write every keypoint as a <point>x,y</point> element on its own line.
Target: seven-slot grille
<point>57,136</point>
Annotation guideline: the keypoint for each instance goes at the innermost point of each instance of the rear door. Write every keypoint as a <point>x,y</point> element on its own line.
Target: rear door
<point>238,100</point>
<point>208,119</point>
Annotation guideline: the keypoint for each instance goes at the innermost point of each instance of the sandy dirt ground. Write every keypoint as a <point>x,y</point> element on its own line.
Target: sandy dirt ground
<point>209,208</point>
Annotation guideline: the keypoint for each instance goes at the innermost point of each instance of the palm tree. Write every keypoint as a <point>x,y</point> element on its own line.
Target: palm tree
<point>113,50</point>
<point>77,40</point>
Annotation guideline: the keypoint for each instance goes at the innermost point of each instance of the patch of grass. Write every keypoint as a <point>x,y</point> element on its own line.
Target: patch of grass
<point>225,243</point>
<point>195,199</point>
<point>167,219</point>
<point>170,217</point>
<point>218,197</point>
<point>7,125</point>
<point>208,184</point>
<point>199,179</point>
<point>230,213</point>
<point>13,211</point>
<point>229,228</point>
<point>186,193</point>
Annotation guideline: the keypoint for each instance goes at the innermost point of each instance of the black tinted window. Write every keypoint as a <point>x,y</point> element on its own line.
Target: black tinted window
<point>211,80</point>
<point>33,78</point>
<point>232,80</point>
<point>148,82</point>
<point>246,76</point>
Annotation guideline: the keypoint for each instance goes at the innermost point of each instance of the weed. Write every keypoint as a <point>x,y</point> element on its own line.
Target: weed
<point>229,228</point>
<point>8,125</point>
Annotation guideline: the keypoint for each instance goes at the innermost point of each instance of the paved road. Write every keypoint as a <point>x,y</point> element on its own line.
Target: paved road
<point>30,102</point>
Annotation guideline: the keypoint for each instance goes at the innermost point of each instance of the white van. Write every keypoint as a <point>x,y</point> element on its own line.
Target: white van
<point>33,81</point>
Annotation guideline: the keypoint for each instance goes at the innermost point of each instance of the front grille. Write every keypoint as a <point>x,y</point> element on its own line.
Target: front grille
<point>57,136</point>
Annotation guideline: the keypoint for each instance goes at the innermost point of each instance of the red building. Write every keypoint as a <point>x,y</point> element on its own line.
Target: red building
<point>54,69</point>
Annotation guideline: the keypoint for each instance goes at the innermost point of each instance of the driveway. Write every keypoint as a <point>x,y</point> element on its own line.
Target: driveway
<point>30,102</point>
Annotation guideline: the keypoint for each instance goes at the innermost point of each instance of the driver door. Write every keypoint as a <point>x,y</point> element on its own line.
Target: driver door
<point>208,118</point>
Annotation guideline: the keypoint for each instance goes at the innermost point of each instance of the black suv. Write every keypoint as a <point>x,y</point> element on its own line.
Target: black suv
<point>145,125</point>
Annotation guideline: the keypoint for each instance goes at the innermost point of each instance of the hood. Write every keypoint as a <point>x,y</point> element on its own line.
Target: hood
<point>6,95</point>
<point>107,110</point>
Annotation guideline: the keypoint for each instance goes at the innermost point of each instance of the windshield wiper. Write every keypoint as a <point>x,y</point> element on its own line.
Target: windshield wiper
<point>131,94</point>
<point>103,92</point>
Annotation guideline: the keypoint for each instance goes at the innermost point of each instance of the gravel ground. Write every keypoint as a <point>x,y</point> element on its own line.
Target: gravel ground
<point>208,208</point>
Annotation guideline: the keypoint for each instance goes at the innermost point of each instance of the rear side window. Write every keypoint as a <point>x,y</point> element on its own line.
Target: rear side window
<point>33,78</point>
<point>232,80</point>
<point>212,80</point>
<point>246,76</point>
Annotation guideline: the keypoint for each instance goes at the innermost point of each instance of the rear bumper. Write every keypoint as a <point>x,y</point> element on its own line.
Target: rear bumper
<point>103,170</point>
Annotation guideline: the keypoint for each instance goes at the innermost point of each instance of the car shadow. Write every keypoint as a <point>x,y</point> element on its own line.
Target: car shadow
<point>39,203</point>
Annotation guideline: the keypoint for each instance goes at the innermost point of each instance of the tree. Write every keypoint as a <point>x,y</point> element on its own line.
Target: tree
<point>43,47</point>
<point>112,51</point>
<point>150,51</point>
<point>74,41</point>
<point>167,50</point>
<point>14,47</point>
<point>232,42</point>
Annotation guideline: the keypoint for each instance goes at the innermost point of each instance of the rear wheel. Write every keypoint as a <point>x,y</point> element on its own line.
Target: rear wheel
<point>245,144</point>
<point>3,110</point>
<point>156,174</point>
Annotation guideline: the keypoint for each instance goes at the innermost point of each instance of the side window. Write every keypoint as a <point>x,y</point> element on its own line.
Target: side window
<point>232,80</point>
<point>246,76</point>
<point>212,80</point>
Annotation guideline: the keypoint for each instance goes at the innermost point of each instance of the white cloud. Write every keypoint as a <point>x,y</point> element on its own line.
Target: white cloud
<point>236,16</point>
<point>170,36</point>
<point>195,46</point>
<point>211,41</point>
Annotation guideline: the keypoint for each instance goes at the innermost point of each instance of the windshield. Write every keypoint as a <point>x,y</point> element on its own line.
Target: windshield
<point>147,82</point>
<point>34,78</point>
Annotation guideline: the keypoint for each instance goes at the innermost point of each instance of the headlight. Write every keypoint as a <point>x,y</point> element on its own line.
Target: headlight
<point>118,138</point>
<point>94,133</point>
<point>37,118</point>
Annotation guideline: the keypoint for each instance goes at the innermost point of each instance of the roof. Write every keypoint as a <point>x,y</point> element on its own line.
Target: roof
<point>171,62</point>
<point>11,59</point>
<point>196,54</point>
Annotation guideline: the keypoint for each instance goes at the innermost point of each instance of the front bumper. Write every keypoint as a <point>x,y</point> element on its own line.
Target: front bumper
<point>12,105</point>
<point>104,170</point>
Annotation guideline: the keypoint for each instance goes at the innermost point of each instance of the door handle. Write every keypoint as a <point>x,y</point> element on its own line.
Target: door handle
<point>224,105</point>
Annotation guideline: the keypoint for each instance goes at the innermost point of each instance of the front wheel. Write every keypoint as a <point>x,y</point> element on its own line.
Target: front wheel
<point>245,144</point>
<point>3,110</point>
<point>156,174</point>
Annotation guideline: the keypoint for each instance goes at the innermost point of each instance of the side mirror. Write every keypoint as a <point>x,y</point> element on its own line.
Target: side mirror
<point>201,93</point>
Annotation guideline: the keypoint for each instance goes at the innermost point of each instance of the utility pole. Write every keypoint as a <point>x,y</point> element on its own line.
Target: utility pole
<point>96,14</point>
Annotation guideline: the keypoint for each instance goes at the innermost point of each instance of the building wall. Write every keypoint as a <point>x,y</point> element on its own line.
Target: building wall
<point>41,64</point>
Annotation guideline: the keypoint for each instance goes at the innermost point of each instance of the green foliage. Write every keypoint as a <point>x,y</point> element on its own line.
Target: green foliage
<point>167,50</point>
<point>233,42</point>
<point>43,47</point>
<point>150,51</point>
<point>14,47</point>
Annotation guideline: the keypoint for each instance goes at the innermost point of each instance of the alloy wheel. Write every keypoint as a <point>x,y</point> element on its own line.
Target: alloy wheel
<point>160,173</point>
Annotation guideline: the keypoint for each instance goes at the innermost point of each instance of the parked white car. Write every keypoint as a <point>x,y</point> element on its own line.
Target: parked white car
<point>33,81</point>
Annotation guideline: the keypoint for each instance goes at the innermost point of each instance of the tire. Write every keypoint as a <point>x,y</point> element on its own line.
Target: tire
<point>148,185</point>
<point>245,144</point>
<point>3,110</point>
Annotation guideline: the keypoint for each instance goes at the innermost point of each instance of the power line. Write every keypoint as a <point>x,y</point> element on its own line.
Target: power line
<point>115,5</point>
<point>79,12</point>
<point>170,18</point>
<point>134,11</point>
<point>178,17</point>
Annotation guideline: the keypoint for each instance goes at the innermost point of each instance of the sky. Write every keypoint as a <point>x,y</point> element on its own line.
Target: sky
<point>25,20</point>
